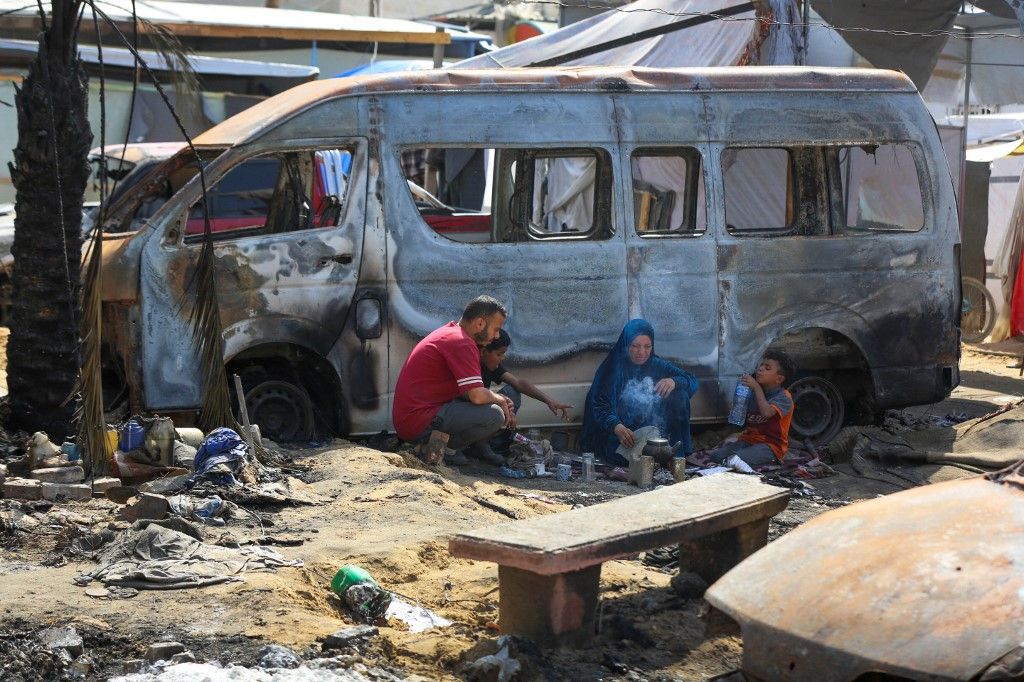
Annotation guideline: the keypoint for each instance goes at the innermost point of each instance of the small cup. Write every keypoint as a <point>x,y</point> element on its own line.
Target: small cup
<point>564,472</point>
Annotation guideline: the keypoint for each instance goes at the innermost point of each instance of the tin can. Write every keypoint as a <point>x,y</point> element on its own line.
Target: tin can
<point>538,466</point>
<point>564,472</point>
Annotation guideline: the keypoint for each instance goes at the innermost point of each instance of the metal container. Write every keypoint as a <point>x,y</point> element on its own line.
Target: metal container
<point>538,466</point>
<point>564,472</point>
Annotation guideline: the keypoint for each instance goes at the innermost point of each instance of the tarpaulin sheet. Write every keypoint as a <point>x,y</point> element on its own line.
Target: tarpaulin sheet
<point>737,41</point>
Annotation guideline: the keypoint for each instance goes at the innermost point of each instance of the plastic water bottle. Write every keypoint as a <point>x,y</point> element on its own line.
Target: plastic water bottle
<point>738,413</point>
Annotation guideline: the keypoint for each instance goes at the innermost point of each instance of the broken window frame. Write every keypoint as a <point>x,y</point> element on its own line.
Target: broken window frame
<point>695,176</point>
<point>512,197</point>
<point>840,186</point>
<point>815,201</point>
<point>282,187</point>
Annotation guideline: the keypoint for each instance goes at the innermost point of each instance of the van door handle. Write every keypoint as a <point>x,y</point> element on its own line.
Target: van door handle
<point>343,258</point>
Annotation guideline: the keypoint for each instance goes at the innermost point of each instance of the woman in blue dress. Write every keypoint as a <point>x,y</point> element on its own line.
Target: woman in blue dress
<point>634,388</point>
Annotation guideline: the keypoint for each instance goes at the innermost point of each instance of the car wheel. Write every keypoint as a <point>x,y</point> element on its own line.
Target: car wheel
<point>818,409</point>
<point>282,409</point>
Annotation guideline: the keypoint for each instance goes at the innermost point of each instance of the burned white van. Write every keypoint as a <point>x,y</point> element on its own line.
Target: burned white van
<point>733,208</point>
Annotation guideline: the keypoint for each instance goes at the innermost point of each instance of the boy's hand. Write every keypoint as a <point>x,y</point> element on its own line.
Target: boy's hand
<point>510,413</point>
<point>750,382</point>
<point>664,387</point>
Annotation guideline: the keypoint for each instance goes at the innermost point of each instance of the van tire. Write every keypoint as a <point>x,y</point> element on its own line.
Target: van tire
<point>283,410</point>
<point>819,409</point>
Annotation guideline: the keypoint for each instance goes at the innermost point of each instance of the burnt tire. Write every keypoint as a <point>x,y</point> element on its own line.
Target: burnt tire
<point>282,409</point>
<point>818,409</point>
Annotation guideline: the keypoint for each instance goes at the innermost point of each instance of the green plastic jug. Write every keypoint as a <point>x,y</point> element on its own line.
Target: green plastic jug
<point>350,575</point>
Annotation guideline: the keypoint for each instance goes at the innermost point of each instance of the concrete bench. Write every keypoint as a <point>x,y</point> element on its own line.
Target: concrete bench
<point>549,566</point>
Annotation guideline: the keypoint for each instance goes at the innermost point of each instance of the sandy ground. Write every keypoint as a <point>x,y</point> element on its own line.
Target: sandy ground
<point>394,520</point>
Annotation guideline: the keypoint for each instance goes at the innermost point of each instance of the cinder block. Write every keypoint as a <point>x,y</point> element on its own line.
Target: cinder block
<point>102,485</point>
<point>23,489</point>
<point>59,475</point>
<point>66,491</point>
<point>161,651</point>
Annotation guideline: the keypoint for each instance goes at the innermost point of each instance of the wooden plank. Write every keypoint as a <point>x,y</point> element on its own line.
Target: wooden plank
<point>575,539</point>
<point>284,33</point>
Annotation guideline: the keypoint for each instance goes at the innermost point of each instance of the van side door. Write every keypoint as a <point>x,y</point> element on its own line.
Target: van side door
<point>528,213</point>
<point>288,229</point>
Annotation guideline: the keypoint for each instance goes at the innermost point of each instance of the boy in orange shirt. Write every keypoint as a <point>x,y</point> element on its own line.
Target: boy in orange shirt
<point>769,413</point>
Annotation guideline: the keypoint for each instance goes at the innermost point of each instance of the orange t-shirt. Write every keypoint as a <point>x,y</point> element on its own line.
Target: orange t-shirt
<point>772,431</point>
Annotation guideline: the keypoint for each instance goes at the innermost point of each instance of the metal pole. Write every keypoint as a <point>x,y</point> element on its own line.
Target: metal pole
<point>805,31</point>
<point>439,52</point>
<point>967,79</point>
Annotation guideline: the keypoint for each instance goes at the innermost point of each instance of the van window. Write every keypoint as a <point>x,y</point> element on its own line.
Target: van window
<point>815,191</point>
<point>668,192</point>
<point>275,193</point>
<point>880,188</point>
<point>473,194</point>
<point>758,184</point>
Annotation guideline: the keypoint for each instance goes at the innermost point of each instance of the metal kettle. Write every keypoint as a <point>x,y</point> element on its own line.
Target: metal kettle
<point>660,450</point>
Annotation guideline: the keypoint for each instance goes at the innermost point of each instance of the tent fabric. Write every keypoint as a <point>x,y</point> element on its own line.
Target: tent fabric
<point>914,55</point>
<point>739,41</point>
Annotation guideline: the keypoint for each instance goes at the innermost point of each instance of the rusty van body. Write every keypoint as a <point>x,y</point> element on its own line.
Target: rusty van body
<point>734,208</point>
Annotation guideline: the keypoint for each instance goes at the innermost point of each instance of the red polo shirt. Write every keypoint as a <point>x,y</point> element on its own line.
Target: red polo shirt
<point>443,366</point>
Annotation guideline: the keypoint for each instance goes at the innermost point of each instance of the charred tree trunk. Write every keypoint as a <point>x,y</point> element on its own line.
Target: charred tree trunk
<point>50,173</point>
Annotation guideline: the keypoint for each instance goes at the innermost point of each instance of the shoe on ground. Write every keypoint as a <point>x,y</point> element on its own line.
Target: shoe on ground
<point>484,453</point>
<point>454,458</point>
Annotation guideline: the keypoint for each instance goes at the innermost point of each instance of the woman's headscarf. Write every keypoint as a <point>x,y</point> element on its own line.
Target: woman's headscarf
<point>614,371</point>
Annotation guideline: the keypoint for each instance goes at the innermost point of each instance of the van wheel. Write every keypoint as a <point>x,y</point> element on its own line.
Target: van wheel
<point>282,409</point>
<point>818,409</point>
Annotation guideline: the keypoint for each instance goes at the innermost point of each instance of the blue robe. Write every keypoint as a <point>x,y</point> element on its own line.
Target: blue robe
<point>623,393</point>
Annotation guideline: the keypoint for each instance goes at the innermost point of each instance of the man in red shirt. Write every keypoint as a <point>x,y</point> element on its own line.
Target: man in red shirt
<point>440,387</point>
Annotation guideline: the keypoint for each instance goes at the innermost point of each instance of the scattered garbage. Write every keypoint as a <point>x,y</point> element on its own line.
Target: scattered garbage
<point>159,558</point>
<point>221,456</point>
<point>496,667</point>
<point>361,593</point>
<point>416,617</point>
<point>210,510</point>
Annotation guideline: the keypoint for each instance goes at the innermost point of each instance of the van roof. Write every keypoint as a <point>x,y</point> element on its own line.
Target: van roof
<point>247,124</point>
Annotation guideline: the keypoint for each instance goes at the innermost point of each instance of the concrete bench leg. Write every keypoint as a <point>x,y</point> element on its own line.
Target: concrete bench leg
<point>552,610</point>
<point>714,555</point>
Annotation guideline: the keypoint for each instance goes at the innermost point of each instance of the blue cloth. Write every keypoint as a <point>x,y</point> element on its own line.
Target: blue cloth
<point>221,446</point>
<point>623,393</point>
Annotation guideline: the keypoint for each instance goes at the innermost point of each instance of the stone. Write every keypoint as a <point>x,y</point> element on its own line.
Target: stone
<point>161,651</point>
<point>82,666</point>
<point>183,657</point>
<point>689,585</point>
<point>66,491</point>
<point>349,636</point>
<point>276,656</point>
<point>132,665</point>
<point>23,489</point>
<point>102,485</point>
<point>59,474</point>
<point>65,637</point>
<point>146,506</point>
<point>3,472</point>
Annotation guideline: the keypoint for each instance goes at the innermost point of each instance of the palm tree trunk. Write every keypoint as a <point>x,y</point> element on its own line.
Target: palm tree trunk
<point>50,172</point>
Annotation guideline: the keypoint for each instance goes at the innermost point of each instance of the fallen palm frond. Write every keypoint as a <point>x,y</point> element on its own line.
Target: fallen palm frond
<point>92,426</point>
